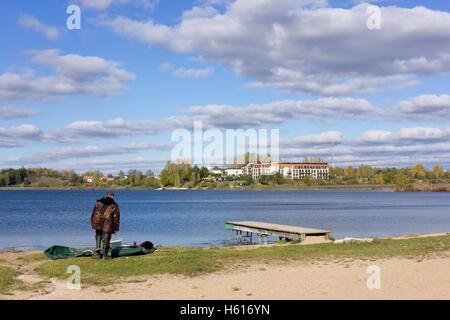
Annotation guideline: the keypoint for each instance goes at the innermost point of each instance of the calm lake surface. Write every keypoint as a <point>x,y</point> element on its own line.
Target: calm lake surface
<point>35,219</point>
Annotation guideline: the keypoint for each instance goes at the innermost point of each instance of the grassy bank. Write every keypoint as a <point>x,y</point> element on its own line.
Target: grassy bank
<point>398,188</point>
<point>423,187</point>
<point>197,261</point>
<point>227,187</point>
<point>9,281</point>
<point>317,187</point>
<point>80,187</point>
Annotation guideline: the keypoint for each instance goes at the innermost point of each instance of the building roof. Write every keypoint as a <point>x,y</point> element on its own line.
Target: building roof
<point>303,164</point>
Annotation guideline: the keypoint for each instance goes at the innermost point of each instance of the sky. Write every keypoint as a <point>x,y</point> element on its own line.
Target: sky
<point>369,80</point>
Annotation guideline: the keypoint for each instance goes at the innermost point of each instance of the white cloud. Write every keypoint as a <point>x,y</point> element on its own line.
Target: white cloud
<point>406,147</point>
<point>96,4</point>
<point>404,136</point>
<point>422,108</point>
<point>199,12</point>
<point>320,50</point>
<point>166,67</point>
<point>193,73</point>
<point>78,131</point>
<point>23,131</point>
<point>105,4</point>
<point>51,33</point>
<point>10,112</point>
<point>250,116</point>
<point>74,75</point>
<point>113,166</point>
<point>108,129</point>
<point>186,73</point>
<point>12,137</point>
<point>83,152</point>
<point>225,116</point>
<point>314,140</point>
<point>9,143</point>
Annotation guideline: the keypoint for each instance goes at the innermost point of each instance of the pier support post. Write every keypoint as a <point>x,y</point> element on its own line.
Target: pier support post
<point>262,235</point>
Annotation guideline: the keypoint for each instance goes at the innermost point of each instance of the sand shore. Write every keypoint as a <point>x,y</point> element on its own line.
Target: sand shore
<point>400,279</point>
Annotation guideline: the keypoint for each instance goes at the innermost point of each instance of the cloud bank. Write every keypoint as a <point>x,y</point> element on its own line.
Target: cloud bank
<point>73,75</point>
<point>315,49</point>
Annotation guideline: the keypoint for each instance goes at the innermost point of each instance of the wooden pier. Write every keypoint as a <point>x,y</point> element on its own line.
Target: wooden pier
<point>263,229</point>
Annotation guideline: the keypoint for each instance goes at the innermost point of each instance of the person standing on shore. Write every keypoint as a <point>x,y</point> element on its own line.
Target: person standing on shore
<point>105,220</point>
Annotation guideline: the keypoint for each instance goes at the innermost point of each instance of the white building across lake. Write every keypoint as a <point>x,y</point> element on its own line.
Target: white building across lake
<point>232,172</point>
<point>293,170</point>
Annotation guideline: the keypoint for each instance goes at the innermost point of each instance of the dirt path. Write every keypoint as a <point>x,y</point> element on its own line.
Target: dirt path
<point>400,279</point>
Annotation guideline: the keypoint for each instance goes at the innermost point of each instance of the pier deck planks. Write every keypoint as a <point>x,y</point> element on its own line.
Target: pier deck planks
<point>279,230</point>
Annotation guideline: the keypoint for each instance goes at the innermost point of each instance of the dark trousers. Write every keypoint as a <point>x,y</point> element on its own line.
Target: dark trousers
<point>106,238</point>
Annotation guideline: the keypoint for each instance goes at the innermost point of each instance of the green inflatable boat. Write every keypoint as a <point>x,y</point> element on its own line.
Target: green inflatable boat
<point>61,252</point>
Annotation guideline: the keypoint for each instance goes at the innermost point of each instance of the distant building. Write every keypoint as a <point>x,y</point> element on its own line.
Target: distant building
<point>104,178</point>
<point>88,179</point>
<point>247,169</point>
<point>264,169</point>
<point>214,170</point>
<point>293,170</point>
<point>316,171</point>
<point>232,172</point>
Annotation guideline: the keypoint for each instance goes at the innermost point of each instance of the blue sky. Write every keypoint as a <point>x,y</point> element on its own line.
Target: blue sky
<point>108,96</point>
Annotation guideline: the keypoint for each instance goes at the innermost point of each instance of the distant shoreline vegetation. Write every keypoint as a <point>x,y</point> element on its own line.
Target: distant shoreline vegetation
<point>185,176</point>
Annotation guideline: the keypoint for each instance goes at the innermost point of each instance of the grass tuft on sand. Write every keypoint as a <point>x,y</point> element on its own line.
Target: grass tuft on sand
<point>33,257</point>
<point>197,261</point>
<point>8,281</point>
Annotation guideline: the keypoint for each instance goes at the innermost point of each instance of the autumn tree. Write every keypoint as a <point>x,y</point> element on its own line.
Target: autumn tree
<point>418,172</point>
<point>438,172</point>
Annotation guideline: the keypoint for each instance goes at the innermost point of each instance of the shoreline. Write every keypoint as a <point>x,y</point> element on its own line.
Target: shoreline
<point>362,187</point>
<point>256,188</point>
<point>412,267</point>
<point>255,245</point>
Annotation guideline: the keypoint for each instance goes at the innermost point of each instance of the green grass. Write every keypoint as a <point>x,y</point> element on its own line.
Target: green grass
<point>280,242</point>
<point>8,280</point>
<point>33,257</point>
<point>3,260</point>
<point>196,261</point>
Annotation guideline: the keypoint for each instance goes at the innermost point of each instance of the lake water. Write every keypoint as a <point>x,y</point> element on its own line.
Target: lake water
<point>35,219</point>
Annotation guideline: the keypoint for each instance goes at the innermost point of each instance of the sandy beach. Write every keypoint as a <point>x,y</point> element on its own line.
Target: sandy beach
<point>401,278</point>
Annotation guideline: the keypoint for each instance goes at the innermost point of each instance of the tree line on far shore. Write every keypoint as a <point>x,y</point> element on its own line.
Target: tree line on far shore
<point>50,178</point>
<point>188,176</point>
<point>185,175</point>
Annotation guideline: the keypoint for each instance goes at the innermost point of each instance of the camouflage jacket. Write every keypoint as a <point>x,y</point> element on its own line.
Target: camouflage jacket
<point>106,215</point>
